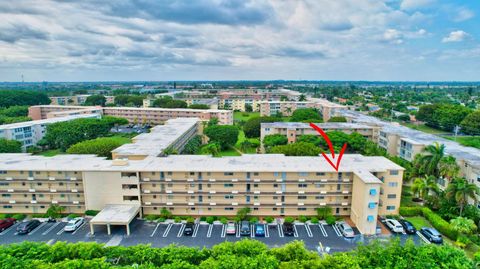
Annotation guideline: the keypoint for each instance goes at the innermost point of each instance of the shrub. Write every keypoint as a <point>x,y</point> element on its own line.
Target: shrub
<point>253,220</point>
<point>223,220</point>
<point>302,218</point>
<point>3,216</point>
<point>190,220</point>
<point>151,217</point>
<point>19,216</point>
<point>410,211</point>
<point>289,220</point>
<point>165,213</point>
<point>177,219</point>
<point>462,241</point>
<point>39,215</point>
<point>72,216</point>
<point>269,219</point>
<point>314,220</point>
<point>210,219</point>
<point>161,220</point>
<point>330,220</point>
<point>91,212</point>
<point>203,218</point>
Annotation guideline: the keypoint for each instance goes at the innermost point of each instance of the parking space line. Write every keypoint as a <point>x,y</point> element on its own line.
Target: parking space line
<point>78,229</point>
<point>209,232</point>
<point>238,230</point>
<point>252,232</point>
<point>280,231</point>
<point>10,228</point>
<point>309,232</point>
<point>195,230</point>
<point>51,228</point>
<point>180,232</point>
<point>38,228</point>
<point>337,231</point>
<point>224,230</point>
<point>295,233</point>
<point>267,232</point>
<point>167,230</point>
<point>423,238</point>
<point>324,232</point>
<point>155,230</point>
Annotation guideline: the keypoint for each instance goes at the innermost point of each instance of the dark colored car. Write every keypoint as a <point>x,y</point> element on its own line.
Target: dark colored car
<point>245,228</point>
<point>432,235</point>
<point>188,229</point>
<point>408,226</point>
<point>6,223</point>
<point>288,229</point>
<point>28,226</point>
<point>259,230</point>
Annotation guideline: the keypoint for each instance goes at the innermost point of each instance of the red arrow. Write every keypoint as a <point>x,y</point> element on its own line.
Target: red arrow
<point>330,146</point>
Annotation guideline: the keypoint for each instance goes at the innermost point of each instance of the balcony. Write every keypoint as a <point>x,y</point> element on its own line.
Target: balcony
<point>51,178</point>
<point>30,178</point>
<point>8,178</point>
<point>146,179</point>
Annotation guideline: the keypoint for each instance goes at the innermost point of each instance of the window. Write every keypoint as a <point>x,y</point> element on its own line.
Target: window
<point>6,195</point>
<point>320,173</point>
<point>302,197</point>
<point>393,184</point>
<point>255,185</point>
<point>390,207</point>
<point>370,218</point>
<point>255,173</point>
<point>192,185</point>
<point>319,185</point>
<point>192,173</point>
<point>169,173</point>
<point>228,185</point>
<point>319,197</point>
<point>275,185</point>
<point>391,196</point>
<point>275,197</point>
<point>302,209</point>
<point>302,185</point>
<point>373,192</point>
<point>228,197</point>
<point>393,172</point>
<point>170,185</point>
<point>228,208</point>
<point>228,174</point>
<point>7,206</point>
<point>371,205</point>
<point>303,174</point>
<point>274,209</point>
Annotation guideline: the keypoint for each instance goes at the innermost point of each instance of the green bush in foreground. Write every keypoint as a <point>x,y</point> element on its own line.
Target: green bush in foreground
<point>437,222</point>
<point>242,254</point>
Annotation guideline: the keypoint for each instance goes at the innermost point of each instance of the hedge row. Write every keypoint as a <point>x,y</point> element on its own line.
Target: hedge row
<point>437,222</point>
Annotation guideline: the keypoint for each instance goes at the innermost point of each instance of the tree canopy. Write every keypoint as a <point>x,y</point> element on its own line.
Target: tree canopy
<point>101,146</point>
<point>296,149</point>
<point>274,140</point>
<point>10,98</point>
<point>169,102</point>
<point>306,115</point>
<point>96,100</point>
<point>10,146</point>
<point>224,135</point>
<point>253,125</point>
<point>471,123</point>
<point>443,116</point>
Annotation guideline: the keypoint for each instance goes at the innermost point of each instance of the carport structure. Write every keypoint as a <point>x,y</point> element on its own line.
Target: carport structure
<point>115,215</point>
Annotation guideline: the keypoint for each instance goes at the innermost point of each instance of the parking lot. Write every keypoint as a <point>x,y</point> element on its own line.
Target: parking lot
<point>204,235</point>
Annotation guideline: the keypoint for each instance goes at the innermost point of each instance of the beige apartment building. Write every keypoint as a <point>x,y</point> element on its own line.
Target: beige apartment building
<point>132,114</point>
<point>286,108</point>
<point>143,177</point>
<point>294,129</point>
<point>76,100</point>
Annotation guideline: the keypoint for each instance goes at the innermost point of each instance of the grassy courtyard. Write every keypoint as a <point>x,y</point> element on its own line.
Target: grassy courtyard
<point>244,116</point>
<point>424,128</point>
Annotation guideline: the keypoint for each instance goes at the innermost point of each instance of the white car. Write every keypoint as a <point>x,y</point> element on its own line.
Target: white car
<point>73,224</point>
<point>345,229</point>
<point>394,225</point>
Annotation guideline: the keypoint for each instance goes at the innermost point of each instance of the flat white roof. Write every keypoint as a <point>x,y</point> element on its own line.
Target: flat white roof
<point>159,138</point>
<point>116,214</point>
<point>46,121</point>
<point>200,163</point>
<point>327,125</point>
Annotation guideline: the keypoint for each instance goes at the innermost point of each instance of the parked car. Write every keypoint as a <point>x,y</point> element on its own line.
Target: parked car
<point>245,228</point>
<point>394,225</point>
<point>73,224</point>
<point>188,228</point>
<point>432,235</point>
<point>231,228</point>
<point>28,226</point>
<point>408,226</point>
<point>6,223</point>
<point>259,230</point>
<point>345,229</point>
<point>288,229</point>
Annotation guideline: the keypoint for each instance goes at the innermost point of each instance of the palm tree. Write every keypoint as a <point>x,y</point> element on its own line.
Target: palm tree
<point>460,190</point>
<point>430,160</point>
<point>245,145</point>
<point>423,186</point>
<point>463,225</point>
<point>448,167</point>
<point>213,149</point>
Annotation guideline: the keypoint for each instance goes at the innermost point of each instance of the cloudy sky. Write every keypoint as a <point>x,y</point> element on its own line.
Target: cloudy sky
<point>239,39</point>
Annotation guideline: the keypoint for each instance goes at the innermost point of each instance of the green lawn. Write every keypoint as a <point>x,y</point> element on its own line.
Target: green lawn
<point>241,138</point>
<point>424,128</point>
<point>238,116</point>
<point>419,222</point>
<point>226,152</point>
<point>468,141</point>
<point>51,152</point>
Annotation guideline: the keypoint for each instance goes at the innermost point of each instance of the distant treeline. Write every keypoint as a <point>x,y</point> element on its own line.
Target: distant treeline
<point>10,98</point>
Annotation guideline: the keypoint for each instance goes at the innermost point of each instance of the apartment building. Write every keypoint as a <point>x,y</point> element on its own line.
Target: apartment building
<point>271,185</point>
<point>30,132</point>
<point>75,100</point>
<point>294,129</point>
<point>133,114</point>
<point>286,108</point>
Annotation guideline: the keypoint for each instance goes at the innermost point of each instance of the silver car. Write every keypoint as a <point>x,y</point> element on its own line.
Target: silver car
<point>345,229</point>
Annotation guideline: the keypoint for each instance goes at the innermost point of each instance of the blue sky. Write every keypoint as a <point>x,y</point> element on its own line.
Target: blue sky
<point>90,40</point>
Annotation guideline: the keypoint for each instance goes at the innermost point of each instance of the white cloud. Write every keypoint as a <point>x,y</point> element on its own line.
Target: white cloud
<point>415,4</point>
<point>393,36</point>
<point>455,36</point>
<point>463,14</point>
